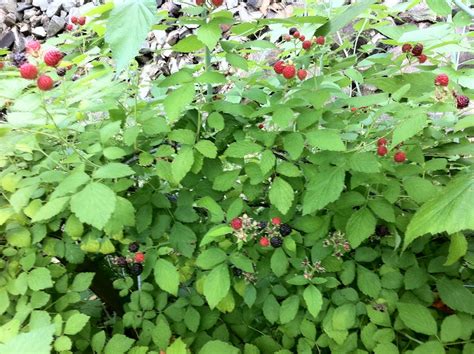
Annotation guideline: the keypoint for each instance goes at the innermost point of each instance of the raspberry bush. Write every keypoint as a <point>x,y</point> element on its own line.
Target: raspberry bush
<point>318,201</point>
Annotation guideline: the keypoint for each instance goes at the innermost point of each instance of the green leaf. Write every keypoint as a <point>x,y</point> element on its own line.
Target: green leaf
<point>211,77</point>
<point>451,329</point>
<point>118,344</point>
<point>166,276</point>
<point>271,309</point>
<point>216,285</point>
<point>21,197</point>
<point>39,278</point>
<point>242,262</point>
<point>225,180</point>
<point>214,233</point>
<point>176,101</point>
<point>289,309</point>
<point>127,28</point>
<point>419,189</point>
<point>94,205</point>
<point>62,343</point>
<point>178,347</point>
<point>182,163</point>
<point>207,148</point>
<point>455,295</point>
<point>188,44</point>
<point>237,61</point>
<point>360,226</point>
<point>192,318</point>
<point>70,184</point>
<point>183,136</point>
<point>283,116</point>
<point>344,317</point>
<point>408,128</point>
<point>314,300</point>
<point>50,209</point>
<point>209,34</point>
<point>383,209</point>
<point>242,148</point>
<point>368,282</point>
<point>449,211</point>
<point>293,143</point>
<point>37,341</point>
<point>364,162</point>
<point>324,188</point>
<point>210,258</point>
<point>217,346</point>
<point>162,334</point>
<point>440,7</point>
<point>417,317</point>
<point>98,341</point>
<point>82,281</point>
<point>217,214</point>
<point>113,170</point>
<point>281,195</point>
<point>75,323</point>
<point>457,248</point>
<point>216,121</point>
<point>279,262</point>
<point>431,347</point>
<point>326,139</point>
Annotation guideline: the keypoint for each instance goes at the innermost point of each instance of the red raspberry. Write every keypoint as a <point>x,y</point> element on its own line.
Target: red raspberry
<point>417,50</point>
<point>279,66</point>
<point>320,40</point>
<point>276,220</point>
<point>139,257</point>
<point>217,3</point>
<point>302,74</point>
<point>45,83</point>
<point>400,156</point>
<point>69,27</point>
<point>81,21</point>
<point>381,141</point>
<point>33,46</point>
<point>462,101</point>
<point>236,223</point>
<point>302,38</point>
<point>353,109</point>
<point>264,242</point>
<point>406,48</point>
<point>287,37</point>
<point>74,20</point>
<point>28,71</point>
<point>53,57</point>
<point>296,34</point>
<point>1,65</point>
<point>442,80</point>
<point>200,2</point>
<point>382,150</point>
<point>422,58</point>
<point>289,72</point>
<point>307,45</point>
<point>261,126</point>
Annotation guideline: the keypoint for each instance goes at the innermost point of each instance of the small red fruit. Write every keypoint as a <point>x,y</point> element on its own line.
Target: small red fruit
<point>400,156</point>
<point>381,141</point>
<point>69,27</point>
<point>417,50</point>
<point>289,72</point>
<point>217,3</point>
<point>422,58</point>
<point>296,34</point>
<point>287,37</point>
<point>28,71</point>
<point>442,80</point>
<point>302,38</point>
<point>45,83</point>
<point>307,45</point>
<point>382,150</point>
<point>279,66</point>
<point>139,257</point>
<point>33,46</point>
<point>302,74</point>
<point>353,109</point>
<point>53,57</point>
<point>264,242</point>
<point>406,48</point>
<point>261,126</point>
<point>236,223</point>
<point>320,40</point>
<point>81,21</point>
<point>276,220</point>
<point>462,101</point>
<point>74,20</point>
<point>200,2</point>
<point>1,65</point>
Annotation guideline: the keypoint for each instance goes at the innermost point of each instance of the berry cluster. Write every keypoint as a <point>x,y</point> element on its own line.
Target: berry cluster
<point>268,233</point>
<point>288,70</point>
<point>382,150</point>
<point>339,244</point>
<point>216,3</point>
<point>133,264</point>
<point>79,21</point>
<point>442,80</point>
<point>415,51</point>
<point>247,276</point>
<point>310,269</point>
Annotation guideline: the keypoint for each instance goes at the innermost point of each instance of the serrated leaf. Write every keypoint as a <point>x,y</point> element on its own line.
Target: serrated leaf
<point>216,285</point>
<point>457,248</point>
<point>217,346</point>
<point>289,308</point>
<point>368,282</point>
<point>314,300</point>
<point>364,162</point>
<point>455,295</point>
<point>293,143</point>
<point>242,148</point>
<point>182,163</point>
<point>166,276</point>
<point>118,344</point>
<point>324,188</point>
<point>50,209</point>
<point>75,323</point>
<point>94,205</point>
<point>417,317</point>
<point>279,262</point>
<point>451,329</point>
<point>188,44</point>
<point>326,139</point>
<point>209,34</point>
<point>408,128</point>
<point>207,148</point>
<point>82,281</point>
<point>176,101</point>
<point>281,195</point>
<point>360,226</point>
<point>70,184</point>
<point>113,170</point>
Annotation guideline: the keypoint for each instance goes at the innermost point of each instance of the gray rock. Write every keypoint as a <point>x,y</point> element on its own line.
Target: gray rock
<point>255,3</point>
<point>23,6</point>
<point>39,32</point>
<point>56,25</point>
<point>68,4</point>
<point>7,39</point>
<point>53,8</point>
<point>29,14</point>
<point>25,28</point>
<point>10,19</point>
<point>42,4</point>
<point>8,5</point>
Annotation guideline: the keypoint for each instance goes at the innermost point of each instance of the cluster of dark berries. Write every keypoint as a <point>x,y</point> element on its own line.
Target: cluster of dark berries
<point>78,21</point>
<point>31,71</point>
<point>415,51</point>
<point>133,265</point>
<point>271,233</point>
<point>339,244</point>
<point>310,269</point>
<point>382,150</point>
<point>249,277</point>
<point>442,80</point>
<point>216,3</point>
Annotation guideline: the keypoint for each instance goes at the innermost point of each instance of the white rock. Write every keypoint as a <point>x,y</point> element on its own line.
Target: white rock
<point>39,32</point>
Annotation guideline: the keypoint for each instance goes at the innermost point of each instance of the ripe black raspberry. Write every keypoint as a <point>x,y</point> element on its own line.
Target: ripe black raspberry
<point>261,225</point>
<point>276,241</point>
<point>237,271</point>
<point>382,230</point>
<point>61,71</point>
<point>121,261</point>
<point>285,230</point>
<point>292,30</point>
<point>18,59</point>
<point>417,50</point>
<point>462,101</point>
<point>133,247</point>
<point>136,269</point>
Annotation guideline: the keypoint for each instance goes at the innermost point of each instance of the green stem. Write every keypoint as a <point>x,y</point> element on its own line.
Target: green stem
<point>464,7</point>
<point>208,67</point>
